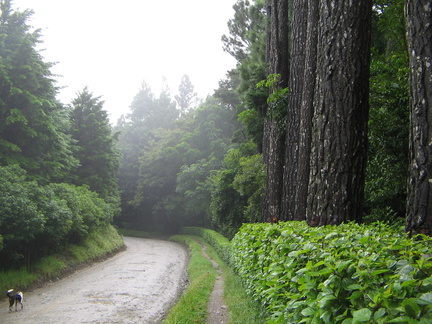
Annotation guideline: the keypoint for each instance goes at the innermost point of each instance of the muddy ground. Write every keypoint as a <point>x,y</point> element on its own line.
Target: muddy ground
<point>137,285</point>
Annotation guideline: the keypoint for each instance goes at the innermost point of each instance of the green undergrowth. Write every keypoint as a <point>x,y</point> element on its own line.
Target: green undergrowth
<point>133,232</point>
<point>336,274</point>
<point>192,306</point>
<point>97,245</point>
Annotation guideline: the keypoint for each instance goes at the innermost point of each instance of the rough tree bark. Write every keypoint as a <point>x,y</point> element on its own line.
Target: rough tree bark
<point>339,134</point>
<point>295,86</point>
<point>273,138</point>
<point>306,112</point>
<point>419,35</point>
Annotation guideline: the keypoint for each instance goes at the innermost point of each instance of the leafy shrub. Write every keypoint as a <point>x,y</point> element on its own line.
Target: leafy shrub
<point>37,220</point>
<point>345,274</point>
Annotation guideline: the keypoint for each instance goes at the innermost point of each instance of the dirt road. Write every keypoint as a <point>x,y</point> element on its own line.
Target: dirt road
<point>135,286</point>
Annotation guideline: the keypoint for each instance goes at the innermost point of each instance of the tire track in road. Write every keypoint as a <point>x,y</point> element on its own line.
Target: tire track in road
<point>137,285</point>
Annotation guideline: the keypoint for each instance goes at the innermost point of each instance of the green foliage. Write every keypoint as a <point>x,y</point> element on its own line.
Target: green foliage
<point>246,30</point>
<point>22,218</point>
<point>171,188</point>
<point>385,188</point>
<point>33,124</point>
<point>36,220</point>
<point>277,100</point>
<point>246,43</point>
<point>192,183</point>
<point>187,97</point>
<point>345,274</point>
<point>96,146</point>
<point>20,279</point>
<point>278,95</point>
<point>219,242</point>
<point>141,132</point>
<point>133,232</point>
<point>388,128</point>
<point>237,188</point>
<point>254,100</point>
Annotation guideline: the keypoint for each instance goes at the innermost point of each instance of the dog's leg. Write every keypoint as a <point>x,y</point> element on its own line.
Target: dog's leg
<point>21,295</point>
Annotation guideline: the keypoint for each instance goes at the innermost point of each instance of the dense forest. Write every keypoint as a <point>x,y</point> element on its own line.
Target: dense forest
<point>322,120</point>
<point>58,164</point>
<point>292,133</point>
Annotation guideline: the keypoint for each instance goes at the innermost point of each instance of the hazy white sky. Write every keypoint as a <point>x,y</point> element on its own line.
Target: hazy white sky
<point>113,46</point>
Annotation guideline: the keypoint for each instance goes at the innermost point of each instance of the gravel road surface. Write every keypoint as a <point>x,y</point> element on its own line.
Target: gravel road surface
<point>137,285</point>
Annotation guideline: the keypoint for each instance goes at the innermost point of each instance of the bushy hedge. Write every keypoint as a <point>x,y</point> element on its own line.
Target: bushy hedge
<point>345,274</point>
<point>37,220</point>
<point>219,242</point>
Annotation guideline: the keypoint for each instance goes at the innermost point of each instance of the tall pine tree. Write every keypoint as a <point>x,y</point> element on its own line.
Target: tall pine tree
<point>32,121</point>
<point>97,153</point>
<point>419,31</point>
<point>339,133</point>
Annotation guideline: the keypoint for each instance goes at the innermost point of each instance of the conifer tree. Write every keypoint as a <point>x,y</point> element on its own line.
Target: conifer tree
<point>419,31</point>
<point>187,97</point>
<point>32,121</point>
<point>97,153</point>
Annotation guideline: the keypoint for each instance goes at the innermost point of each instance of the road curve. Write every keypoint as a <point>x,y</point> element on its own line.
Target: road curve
<point>135,286</point>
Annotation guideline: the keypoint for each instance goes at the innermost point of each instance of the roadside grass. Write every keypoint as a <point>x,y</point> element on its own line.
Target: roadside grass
<point>192,305</point>
<point>97,245</point>
<point>133,232</point>
<point>242,308</point>
<point>16,279</point>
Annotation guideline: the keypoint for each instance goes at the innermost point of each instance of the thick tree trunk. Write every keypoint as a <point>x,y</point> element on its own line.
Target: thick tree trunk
<point>339,134</point>
<point>273,138</point>
<point>273,146</point>
<point>306,112</point>
<point>295,85</point>
<point>419,34</point>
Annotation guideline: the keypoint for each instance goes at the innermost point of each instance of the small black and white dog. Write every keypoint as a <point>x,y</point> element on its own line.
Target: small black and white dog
<point>15,297</point>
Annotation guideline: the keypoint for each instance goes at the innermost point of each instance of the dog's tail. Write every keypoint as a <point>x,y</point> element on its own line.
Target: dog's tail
<point>21,295</point>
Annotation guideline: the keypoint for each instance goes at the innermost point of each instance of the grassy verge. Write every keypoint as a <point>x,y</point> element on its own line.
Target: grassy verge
<point>133,232</point>
<point>97,245</point>
<point>192,306</point>
<point>242,308</point>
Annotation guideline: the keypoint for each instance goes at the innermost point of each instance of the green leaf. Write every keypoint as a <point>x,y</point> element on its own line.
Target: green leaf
<point>342,265</point>
<point>354,287</point>
<point>379,313</point>
<point>331,235</point>
<point>379,271</point>
<point>403,319</point>
<point>326,317</point>
<point>308,312</point>
<point>362,315</point>
<point>425,299</point>
<point>355,295</point>
<point>411,308</point>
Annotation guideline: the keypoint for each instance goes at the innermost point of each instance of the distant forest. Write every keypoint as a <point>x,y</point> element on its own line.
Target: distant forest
<point>313,124</point>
